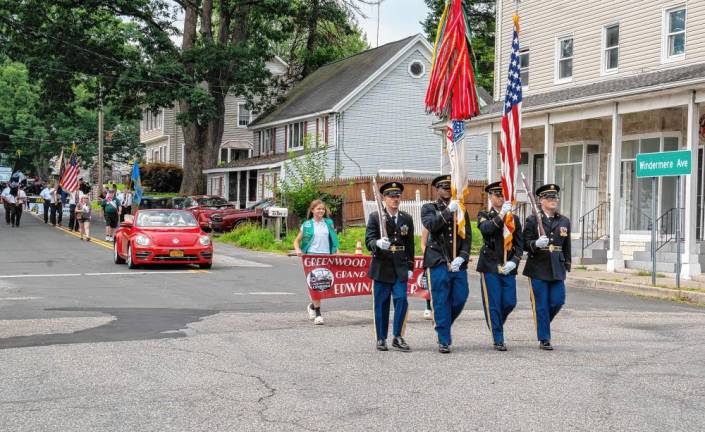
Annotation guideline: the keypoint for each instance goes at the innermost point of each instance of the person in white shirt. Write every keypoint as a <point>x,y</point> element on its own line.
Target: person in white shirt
<point>73,200</point>
<point>6,203</point>
<point>18,198</point>
<point>125,203</point>
<point>45,194</point>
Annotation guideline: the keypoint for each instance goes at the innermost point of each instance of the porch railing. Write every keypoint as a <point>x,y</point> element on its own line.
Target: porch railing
<point>594,226</point>
<point>666,227</point>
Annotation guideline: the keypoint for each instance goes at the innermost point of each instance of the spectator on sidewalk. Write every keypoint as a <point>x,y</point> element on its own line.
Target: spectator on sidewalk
<point>45,194</point>
<point>83,216</point>
<point>72,200</point>
<point>111,212</point>
<point>317,236</point>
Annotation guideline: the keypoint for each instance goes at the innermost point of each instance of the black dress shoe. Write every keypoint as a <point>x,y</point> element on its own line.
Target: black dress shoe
<point>500,346</point>
<point>382,345</point>
<point>444,349</point>
<point>546,345</point>
<point>400,344</point>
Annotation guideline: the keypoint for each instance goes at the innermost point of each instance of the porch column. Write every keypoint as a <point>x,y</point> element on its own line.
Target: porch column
<point>548,151</point>
<point>615,261</point>
<point>690,264</point>
<point>492,147</point>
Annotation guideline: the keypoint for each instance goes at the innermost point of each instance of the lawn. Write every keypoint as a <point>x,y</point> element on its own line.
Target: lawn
<point>252,237</point>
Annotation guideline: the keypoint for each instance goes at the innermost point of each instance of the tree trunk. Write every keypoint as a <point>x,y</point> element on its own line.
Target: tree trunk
<point>311,41</point>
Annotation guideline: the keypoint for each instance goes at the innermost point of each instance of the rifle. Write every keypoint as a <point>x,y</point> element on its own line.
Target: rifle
<point>534,207</point>
<point>380,209</point>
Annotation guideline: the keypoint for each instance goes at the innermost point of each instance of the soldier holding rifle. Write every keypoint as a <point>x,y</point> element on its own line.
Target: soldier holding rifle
<point>390,238</point>
<point>446,260</point>
<point>548,245</point>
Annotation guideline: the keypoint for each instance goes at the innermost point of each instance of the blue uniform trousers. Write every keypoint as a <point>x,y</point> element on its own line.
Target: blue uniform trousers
<point>499,298</point>
<point>381,293</point>
<point>449,292</point>
<point>547,298</point>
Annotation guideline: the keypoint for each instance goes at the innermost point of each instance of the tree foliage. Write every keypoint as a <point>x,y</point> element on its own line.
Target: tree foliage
<point>481,14</point>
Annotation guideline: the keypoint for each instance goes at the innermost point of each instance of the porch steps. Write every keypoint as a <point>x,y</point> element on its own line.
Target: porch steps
<point>596,253</point>
<point>665,258</point>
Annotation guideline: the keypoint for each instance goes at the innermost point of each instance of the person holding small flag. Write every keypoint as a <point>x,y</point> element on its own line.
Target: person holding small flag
<point>445,260</point>
<point>498,269</point>
<point>548,245</point>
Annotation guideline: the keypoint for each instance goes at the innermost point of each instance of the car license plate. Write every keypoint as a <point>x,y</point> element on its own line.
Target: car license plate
<point>176,253</point>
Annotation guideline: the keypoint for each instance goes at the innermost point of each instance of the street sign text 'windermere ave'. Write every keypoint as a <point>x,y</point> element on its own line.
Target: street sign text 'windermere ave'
<point>661,164</point>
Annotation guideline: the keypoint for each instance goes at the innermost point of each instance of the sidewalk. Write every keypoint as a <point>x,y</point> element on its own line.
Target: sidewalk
<point>637,282</point>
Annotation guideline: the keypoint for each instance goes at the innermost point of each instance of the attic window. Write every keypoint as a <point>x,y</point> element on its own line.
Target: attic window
<point>416,69</point>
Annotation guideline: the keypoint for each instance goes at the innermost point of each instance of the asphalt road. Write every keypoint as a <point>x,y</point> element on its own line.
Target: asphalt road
<point>89,345</point>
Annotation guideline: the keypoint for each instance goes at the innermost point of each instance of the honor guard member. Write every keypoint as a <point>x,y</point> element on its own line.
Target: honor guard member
<point>391,266</point>
<point>499,291</point>
<point>447,276</point>
<point>548,261</point>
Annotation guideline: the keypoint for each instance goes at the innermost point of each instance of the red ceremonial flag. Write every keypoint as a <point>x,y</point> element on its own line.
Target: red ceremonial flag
<point>510,149</point>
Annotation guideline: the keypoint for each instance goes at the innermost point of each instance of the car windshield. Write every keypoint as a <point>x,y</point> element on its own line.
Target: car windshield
<point>165,218</point>
<point>213,202</point>
<point>261,204</point>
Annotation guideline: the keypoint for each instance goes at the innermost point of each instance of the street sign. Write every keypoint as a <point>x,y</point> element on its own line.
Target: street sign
<point>281,212</point>
<point>672,163</point>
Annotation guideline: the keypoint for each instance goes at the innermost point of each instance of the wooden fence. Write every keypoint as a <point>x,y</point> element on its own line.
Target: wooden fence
<point>415,189</point>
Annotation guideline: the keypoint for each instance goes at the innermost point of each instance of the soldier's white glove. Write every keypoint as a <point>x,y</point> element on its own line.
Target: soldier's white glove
<point>506,208</point>
<point>453,206</point>
<point>409,274</point>
<point>509,267</point>
<point>456,263</point>
<point>383,243</point>
<point>542,242</point>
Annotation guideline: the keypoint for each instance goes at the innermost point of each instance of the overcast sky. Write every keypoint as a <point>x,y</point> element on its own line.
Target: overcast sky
<point>398,19</point>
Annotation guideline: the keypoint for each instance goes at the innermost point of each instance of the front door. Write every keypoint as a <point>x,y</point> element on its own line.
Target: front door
<point>538,179</point>
<point>591,178</point>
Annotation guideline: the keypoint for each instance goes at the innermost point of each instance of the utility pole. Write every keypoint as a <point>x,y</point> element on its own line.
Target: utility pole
<point>379,8</point>
<point>100,138</point>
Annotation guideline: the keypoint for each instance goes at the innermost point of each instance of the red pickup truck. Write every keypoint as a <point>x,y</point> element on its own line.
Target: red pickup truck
<point>221,214</point>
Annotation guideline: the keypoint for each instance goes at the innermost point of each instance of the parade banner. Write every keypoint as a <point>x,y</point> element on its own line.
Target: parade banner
<point>332,276</point>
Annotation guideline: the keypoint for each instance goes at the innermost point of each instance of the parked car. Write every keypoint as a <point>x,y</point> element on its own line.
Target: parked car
<point>222,215</point>
<point>151,202</point>
<point>162,236</point>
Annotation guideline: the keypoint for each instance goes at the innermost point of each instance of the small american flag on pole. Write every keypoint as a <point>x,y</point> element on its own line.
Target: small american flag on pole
<point>69,181</point>
<point>510,150</point>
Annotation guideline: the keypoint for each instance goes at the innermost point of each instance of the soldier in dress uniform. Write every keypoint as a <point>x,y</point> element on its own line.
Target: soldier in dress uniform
<point>499,292</point>
<point>391,266</point>
<point>447,271</point>
<point>548,261</point>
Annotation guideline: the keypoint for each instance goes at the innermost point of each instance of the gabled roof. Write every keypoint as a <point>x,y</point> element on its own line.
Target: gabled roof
<point>322,90</point>
<point>604,89</point>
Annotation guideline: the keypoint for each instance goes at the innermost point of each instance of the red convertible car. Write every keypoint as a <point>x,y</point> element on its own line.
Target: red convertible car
<point>162,237</point>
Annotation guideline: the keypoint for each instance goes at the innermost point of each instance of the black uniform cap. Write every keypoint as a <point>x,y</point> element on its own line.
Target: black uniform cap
<point>494,187</point>
<point>549,190</point>
<point>441,180</point>
<point>391,189</point>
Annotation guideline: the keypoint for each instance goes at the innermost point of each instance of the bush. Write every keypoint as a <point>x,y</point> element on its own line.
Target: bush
<point>161,177</point>
<point>251,236</point>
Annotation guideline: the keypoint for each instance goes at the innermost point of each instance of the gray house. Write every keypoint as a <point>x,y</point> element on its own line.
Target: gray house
<point>368,109</point>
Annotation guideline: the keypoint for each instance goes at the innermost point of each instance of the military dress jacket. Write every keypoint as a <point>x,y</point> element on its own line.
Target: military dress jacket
<point>550,263</point>
<point>492,253</point>
<point>393,264</point>
<point>438,220</point>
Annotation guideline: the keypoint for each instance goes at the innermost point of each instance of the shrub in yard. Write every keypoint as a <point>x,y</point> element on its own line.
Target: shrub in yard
<point>161,177</point>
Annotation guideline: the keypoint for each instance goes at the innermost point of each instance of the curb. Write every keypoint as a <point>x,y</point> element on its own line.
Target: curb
<point>645,290</point>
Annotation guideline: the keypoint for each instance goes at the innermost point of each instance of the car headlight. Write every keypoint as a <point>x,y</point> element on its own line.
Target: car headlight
<point>204,240</point>
<point>142,240</point>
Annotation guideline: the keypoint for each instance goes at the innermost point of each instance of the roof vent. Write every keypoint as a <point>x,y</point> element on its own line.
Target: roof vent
<point>416,69</point>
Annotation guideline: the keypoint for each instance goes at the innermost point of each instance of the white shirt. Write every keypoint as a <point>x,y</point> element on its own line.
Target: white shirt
<point>126,200</point>
<point>8,197</point>
<point>21,196</point>
<point>6,192</point>
<point>320,244</point>
<point>46,194</point>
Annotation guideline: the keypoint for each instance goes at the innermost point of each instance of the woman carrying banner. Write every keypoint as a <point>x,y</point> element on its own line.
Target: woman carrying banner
<point>317,236</point>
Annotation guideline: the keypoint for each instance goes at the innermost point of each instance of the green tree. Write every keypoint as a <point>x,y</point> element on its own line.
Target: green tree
<point>481,14</point>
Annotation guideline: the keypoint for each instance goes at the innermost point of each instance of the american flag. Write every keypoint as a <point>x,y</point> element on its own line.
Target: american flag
<point>510,150</point>
<point>455,146</point>
<point>69,181</point>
